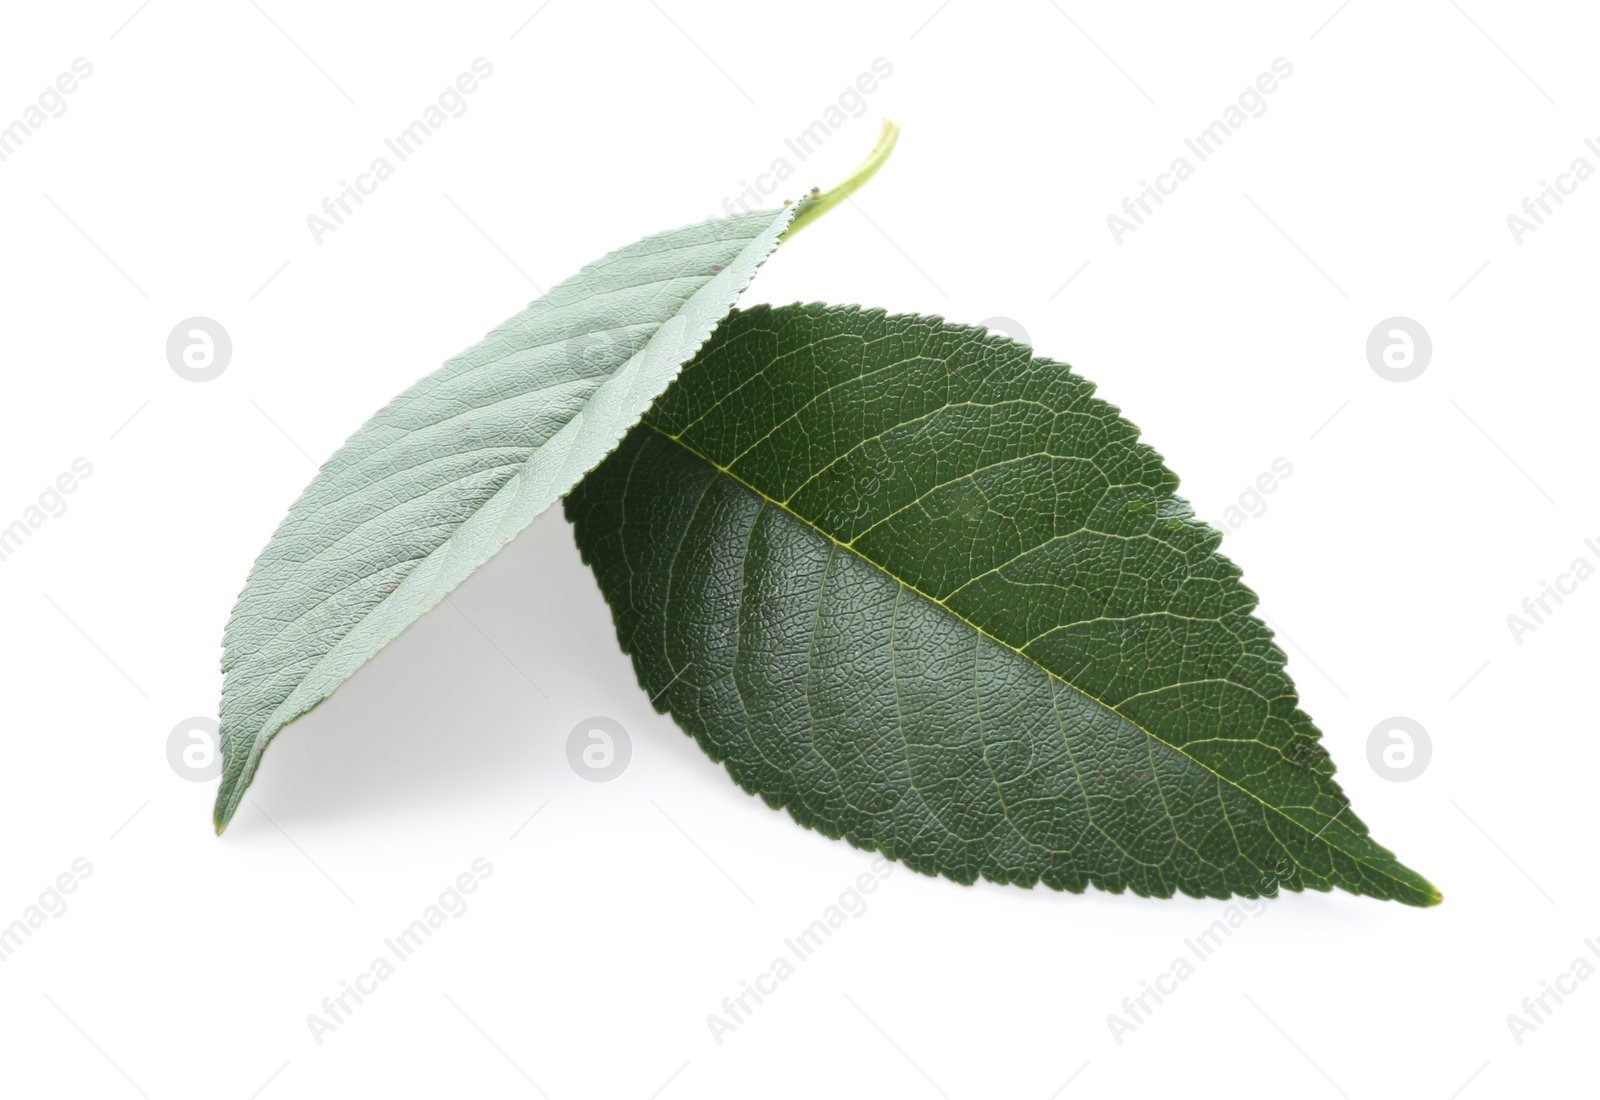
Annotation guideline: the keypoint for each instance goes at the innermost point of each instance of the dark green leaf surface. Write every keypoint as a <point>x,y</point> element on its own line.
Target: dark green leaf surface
<point>925,591</point>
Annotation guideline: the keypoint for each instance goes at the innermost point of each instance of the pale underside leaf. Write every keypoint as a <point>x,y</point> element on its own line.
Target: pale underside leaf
<point>452,469</point>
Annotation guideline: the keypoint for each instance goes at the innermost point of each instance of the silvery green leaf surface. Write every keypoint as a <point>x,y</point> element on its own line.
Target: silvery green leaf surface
<point>924,590</point>
<point>453,468</point>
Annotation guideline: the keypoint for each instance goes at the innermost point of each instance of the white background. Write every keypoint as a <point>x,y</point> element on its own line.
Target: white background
<point>1231,327</point>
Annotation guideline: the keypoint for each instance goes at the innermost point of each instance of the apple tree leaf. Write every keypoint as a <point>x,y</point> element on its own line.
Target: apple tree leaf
<point>924,590</point>
<point>452,469</point>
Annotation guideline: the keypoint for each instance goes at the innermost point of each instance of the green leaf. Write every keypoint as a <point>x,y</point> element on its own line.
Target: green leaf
<point>927,592</point>
<point>452,469</point>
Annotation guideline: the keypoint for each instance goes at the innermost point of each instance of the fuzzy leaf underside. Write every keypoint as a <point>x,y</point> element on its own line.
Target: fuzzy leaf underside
<point>927,592</point>
<point>453,468</point>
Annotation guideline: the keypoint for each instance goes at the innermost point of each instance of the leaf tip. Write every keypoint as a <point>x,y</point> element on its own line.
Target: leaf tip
<point>229,795</point>
<point>1424,895</point>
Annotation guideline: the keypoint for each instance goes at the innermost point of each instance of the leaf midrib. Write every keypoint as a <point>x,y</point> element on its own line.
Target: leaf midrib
<point>840,544</point>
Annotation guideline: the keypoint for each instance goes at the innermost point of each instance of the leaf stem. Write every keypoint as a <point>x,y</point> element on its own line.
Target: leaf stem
<point>818,204</point>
